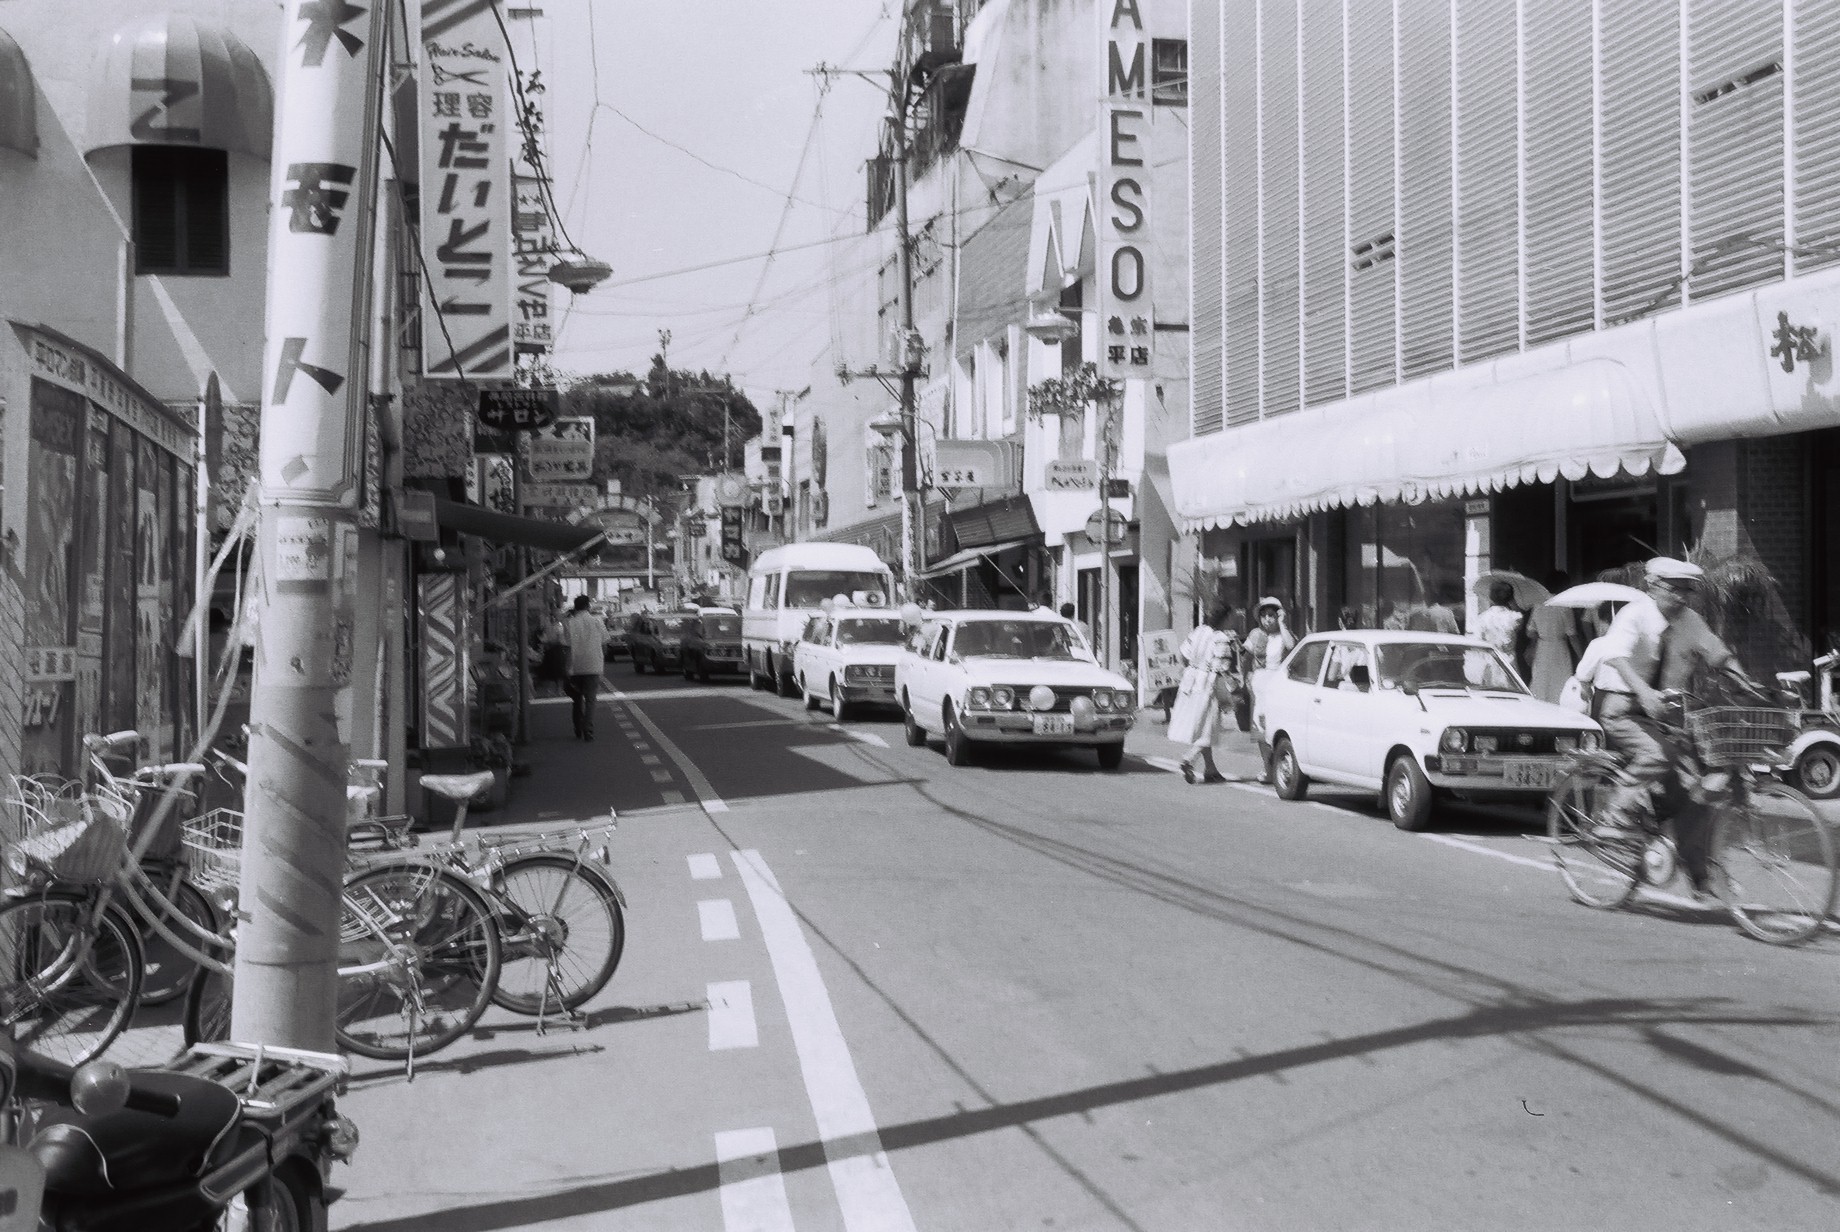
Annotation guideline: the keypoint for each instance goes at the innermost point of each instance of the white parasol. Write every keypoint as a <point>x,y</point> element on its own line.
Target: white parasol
<point>1527,592</point>
<point>1590,594</point>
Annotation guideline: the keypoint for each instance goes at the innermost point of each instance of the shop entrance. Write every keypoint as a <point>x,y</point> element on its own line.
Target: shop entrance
<point>1611,523</point>
<point>1274,572</point>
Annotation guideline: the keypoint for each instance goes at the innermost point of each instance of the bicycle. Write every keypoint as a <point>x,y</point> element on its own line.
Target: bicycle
<point>1771,855</point>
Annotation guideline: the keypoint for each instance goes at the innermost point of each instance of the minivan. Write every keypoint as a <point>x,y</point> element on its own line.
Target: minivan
<point>787,586</point>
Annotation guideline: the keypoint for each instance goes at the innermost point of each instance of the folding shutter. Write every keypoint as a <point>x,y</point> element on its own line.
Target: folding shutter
<point>1488,196</point>
<point>1558,205</point>
<point>1734,144</point>
<point>1641,158</point>
<point>1425,231</point>
<point>1815,105</point>
<point>1279,292</point>
<point>1240,312</point>
<point>1325,240</point>
<point>1373,323</point>
<point>1204,195</point>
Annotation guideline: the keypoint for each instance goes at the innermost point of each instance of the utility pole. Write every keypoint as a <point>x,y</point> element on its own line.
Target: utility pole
<point>314,398</point>
<point>910,350</point>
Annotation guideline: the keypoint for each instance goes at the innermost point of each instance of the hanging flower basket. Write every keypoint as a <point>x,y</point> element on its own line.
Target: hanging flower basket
<point>1070,394</point>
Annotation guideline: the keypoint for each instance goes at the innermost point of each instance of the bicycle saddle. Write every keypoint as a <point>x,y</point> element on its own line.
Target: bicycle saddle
<point>459,787</point>
<point>1791,679</point>
<point>126,1149</point>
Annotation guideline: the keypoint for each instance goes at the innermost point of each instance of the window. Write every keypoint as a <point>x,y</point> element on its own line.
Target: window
<point>1169,72</point>
<point>181,210</point>
<point>1306,662</point>
<point>810,587</point>
<point>869,632</point>
<point>1344,657</point>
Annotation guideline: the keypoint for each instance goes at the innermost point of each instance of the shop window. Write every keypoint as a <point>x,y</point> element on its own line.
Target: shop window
<point>1169,72</point>
<point>1402,559</point>
<point>181,211</point>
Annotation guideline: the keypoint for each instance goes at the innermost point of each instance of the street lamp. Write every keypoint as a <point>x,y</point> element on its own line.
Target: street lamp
<point>1050,325</point>
<point>580,273</point>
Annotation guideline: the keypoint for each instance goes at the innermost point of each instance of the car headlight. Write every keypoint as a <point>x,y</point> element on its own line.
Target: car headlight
<point>1565,744</point>
<point>1593,741</point>
<point>978,699</point>
<point>1484,744</point>
<point>1454,740</point>
<point>1124,700</point>
<point>1102,699</point>
<point>1003,697</point>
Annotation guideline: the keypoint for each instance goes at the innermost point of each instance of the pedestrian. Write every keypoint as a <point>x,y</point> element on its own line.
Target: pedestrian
<point>1211,678</point>
<point>1436,616</point>
<point>1272,639</point>
<point>1348,618</point>
<point>1069,612</point>
<point>1553,642</point>
<point>585,637</point>
<point>1499,624</point>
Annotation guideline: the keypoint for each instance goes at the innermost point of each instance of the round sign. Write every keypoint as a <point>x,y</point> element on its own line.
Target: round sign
<point>1095,525</point>
<point>731,490</point>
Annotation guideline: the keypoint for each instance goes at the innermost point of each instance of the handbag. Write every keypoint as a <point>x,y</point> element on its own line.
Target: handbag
<point>1226,689</point>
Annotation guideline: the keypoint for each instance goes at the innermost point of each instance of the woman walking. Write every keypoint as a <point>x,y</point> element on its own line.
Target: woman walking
<point>1554,643</point>
<point>1212,656</point>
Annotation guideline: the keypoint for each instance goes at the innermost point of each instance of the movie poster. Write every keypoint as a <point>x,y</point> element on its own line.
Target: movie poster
<point>59,417</point>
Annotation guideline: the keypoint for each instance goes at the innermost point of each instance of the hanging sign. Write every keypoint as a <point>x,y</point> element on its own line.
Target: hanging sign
<point>561,452</point>
<point>1125,114</point>
<point>518,410</point>
<point>1070,475</point>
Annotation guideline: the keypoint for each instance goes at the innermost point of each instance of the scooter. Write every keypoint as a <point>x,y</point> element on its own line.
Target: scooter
<point>1814,758</point>
<point>227,1137</point>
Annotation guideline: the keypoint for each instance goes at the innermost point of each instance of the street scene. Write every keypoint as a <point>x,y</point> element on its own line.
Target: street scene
<point>907,615</point>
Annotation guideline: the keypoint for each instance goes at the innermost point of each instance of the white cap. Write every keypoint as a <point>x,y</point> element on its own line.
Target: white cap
<point>1675,570</point>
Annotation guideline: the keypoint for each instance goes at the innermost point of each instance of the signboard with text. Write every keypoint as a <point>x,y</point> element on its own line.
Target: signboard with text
<point>733,552</point>
<point>533,243</point>
<point>518,410</point>
<point>1070,475</point>
<point>561,495</point>
<point>561,452</point>
<point>1125,116</point>
<point>1161,667</point>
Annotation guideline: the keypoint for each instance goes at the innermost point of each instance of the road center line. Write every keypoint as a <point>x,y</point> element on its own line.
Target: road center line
<point>731,1016</point>
<point>705,793</point>
<point>752,1189</point>
<point>867,1193</point>
<point>716,916</point>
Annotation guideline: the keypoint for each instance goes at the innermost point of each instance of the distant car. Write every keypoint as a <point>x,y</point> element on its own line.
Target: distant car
<point>1413,716</point>
<point>712,643</point>
<point>1002,677</point>
<point>657,641</point>
<point>617,643</point>
<point>847,657</point>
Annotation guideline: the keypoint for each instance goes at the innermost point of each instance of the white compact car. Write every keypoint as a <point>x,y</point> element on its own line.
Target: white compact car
<point>1002,677</point>
<point>848,656</point>
<point>1413,716</point>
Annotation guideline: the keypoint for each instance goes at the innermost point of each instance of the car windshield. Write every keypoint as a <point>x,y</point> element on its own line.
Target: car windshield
<point>861,632</point>
<point>1018,639</point>
<point>811,587</point>
<point>1440,665</point>
<point>721,626</point>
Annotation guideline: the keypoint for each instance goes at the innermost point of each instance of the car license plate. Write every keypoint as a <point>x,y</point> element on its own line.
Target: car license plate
<point>1536,774</point>
<point>1053,724</point>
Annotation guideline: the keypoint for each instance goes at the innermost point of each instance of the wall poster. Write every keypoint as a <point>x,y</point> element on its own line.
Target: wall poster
<point>58,423</point>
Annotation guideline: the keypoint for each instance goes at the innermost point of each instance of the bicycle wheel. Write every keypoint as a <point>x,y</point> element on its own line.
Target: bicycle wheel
<point>65,994</point>
<point>561,932</point>
<point>1598,872</point>
<point>207,1006</point>
<point>1773,865</point>
<point>170,969</point>
<point>418,961</point>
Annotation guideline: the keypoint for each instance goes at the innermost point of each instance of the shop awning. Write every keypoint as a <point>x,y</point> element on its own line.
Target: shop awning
<point>1428,440</point>
<point>169,79</point>
<point>999,521</point>
<point>969,557</point>
<point>18,100</point>
<point>509,528</point>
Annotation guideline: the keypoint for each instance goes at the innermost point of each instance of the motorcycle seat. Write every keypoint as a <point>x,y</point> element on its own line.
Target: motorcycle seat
<point>125,1149</point>
<point>458,787</point>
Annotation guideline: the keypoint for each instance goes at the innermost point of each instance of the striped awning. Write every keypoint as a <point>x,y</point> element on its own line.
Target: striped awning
<point>18,100</point>
<point>170,79</point>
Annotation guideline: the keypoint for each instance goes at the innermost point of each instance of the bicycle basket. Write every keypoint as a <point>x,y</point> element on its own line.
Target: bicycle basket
<point>214,849</point>
<point>1741,735</point>
<point>53,829</point>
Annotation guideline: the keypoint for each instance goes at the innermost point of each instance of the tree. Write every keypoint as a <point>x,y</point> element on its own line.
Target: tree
<point>653,432</point>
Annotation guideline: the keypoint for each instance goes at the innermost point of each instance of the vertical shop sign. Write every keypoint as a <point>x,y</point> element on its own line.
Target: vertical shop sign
<point>733,552</point>
<point>466,194</point>
<point>533,245</point>
<point>1125,114</point>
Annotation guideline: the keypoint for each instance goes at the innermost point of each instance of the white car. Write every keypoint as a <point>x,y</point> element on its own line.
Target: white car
<point>1412,716</point>
<point>1001,677</point>
<point>848,656</point>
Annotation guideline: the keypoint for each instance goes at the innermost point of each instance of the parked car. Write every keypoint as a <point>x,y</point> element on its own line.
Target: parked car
<point>847,657</point>
<point>1002,677</point>
<point>619,631</point>
<point>787,586</point>
<point>1413,716</point>
<point>656,640</point>
<point>712,642</point>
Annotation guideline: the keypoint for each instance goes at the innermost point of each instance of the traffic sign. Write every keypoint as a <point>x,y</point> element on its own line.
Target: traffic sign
<point>1095,525</point>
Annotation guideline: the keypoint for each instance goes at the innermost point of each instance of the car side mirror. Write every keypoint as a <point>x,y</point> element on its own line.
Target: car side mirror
<point>1360,678</point>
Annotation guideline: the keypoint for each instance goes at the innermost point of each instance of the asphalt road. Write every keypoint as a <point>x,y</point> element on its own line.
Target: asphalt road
<point>866,991</point>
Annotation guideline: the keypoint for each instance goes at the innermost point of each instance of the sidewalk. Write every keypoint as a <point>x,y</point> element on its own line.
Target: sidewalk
<point>1236,752</point>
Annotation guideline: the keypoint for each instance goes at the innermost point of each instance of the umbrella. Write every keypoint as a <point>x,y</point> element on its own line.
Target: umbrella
<point>1527,592</point>
<point>1590,594</point>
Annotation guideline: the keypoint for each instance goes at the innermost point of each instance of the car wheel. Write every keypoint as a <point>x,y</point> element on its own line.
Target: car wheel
<point>1408,795</point>
<point>687,673</point>
<point>958,744</point>
<point>915,734</point>
<point>788,687</point>
<point>1287,777</point>
<point>638,664</point>
<point>839,708</point>
<point>1817,772</point>
<point>812,700</point>
<point>755,680</point>
<point>1111,756</point>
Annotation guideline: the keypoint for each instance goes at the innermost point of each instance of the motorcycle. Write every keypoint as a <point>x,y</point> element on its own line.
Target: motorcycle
<point>226,1138</point>
<point>1813,760</point>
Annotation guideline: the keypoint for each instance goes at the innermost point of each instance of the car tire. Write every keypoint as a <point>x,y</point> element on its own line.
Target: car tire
<point>812,700</point>
<point>1408,796</point>
<point>840,709</point>
<point>1817,772</point>
<point>915,734</point>
<point>1111,756</point>
<point>638,665</point>
<point>754,677</point>
<point>685,669</point>
<point>958,744</point>
<point>786,686</point>
<point>1287,777</point>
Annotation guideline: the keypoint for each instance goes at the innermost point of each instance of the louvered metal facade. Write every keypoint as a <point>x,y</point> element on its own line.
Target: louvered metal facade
<point>1385,189</point>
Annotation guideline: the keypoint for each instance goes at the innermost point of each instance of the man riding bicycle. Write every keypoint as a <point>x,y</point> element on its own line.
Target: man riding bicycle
<point>1654,648</point>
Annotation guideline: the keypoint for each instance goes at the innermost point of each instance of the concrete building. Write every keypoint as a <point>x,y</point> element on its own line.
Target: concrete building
<point>1506,284</point>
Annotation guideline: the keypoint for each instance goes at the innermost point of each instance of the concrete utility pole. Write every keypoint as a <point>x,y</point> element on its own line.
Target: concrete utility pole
<point>314,401</point>
<point>910,349</point>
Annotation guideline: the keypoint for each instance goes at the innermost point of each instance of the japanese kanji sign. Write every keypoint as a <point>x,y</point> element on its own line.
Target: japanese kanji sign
<point>561,452</point>
<point>518,410</point>
<point>1125,115</point>
<point>467,137</point>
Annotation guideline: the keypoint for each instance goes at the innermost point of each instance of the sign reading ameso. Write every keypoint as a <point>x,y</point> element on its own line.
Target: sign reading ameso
<point>1124,200</point>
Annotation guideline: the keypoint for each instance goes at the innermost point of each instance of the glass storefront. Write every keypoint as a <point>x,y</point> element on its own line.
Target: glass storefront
<point>1401,559</point>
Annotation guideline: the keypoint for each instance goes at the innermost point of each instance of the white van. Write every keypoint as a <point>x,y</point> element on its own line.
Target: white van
<point>787,585</point>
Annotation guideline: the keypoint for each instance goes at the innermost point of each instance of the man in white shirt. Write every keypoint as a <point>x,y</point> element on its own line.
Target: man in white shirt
<point>585,636</point>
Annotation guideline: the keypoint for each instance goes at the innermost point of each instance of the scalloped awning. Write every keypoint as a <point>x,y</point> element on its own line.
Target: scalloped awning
<point>169,79</point>
<point>1423,442</point>
<point>18,100</point>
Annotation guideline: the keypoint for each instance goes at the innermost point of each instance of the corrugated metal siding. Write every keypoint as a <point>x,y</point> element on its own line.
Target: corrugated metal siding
<point>1240,75</point>
<point>1816,87</point>
<point>1374,324</point>
<point>1488,196</point>
<point>1325,330</point>
<point>1279,289</point>
<point>1735,144</point>
<point>1559,224</point>
<point>1425,225</point>
<point>1641,157</point>
<point>1205,193</point>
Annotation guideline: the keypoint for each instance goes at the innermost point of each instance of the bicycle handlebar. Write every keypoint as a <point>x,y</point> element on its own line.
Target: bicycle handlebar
<point>39,1078</point>
<point>112,741</point>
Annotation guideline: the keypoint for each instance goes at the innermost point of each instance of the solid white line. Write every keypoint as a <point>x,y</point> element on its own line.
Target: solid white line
<point>705,867</point>
<point>705,794</point>
<point>717,917</point>
<point>863,736</point>
<point>867,1193</point>
<point>1479,849</point>
<point>752,1189</point>
<point>731,1016</point>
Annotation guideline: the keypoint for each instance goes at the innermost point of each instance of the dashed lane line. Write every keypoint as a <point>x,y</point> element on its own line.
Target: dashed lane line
<point>731,1016</point>
<point>752,1190</point>
<point>705,867</point>
<point>716,917</point>
<point>705,794</point>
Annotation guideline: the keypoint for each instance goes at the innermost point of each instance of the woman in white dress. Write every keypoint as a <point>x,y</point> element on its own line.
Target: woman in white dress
<point>1554,643</point>
<point>1211,652</point>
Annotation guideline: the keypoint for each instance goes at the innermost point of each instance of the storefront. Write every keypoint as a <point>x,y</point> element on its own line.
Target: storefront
<point>99,500</point>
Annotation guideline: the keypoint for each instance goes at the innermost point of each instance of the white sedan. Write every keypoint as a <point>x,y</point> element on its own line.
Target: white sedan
<point>1412,716</point>
<point>849,657</point>
<point>1002,677</point>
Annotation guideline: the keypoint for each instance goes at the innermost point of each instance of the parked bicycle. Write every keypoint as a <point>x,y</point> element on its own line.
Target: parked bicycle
<point>1771,855</point>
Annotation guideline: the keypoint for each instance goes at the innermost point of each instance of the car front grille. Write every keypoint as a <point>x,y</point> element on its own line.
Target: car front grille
<point>1517,742</point>
<point>1063,697</point>
<point>880,673</point>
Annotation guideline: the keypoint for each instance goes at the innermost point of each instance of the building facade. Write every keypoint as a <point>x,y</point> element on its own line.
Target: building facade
<point>1505,284</point>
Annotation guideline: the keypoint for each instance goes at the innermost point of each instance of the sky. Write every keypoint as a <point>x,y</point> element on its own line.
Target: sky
<point>705,113</point>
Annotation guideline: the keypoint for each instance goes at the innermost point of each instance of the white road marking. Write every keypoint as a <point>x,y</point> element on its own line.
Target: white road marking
<point>650,759</point>
<point>671,797</point>
<point>731,1016</point>
<point>661,776</point>
<point>705,867</point>
<point>705,794</point>
<point>752,1189</point>
<point>717,917</point>
<point>867,1192</point>
<point>1479,849</point>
